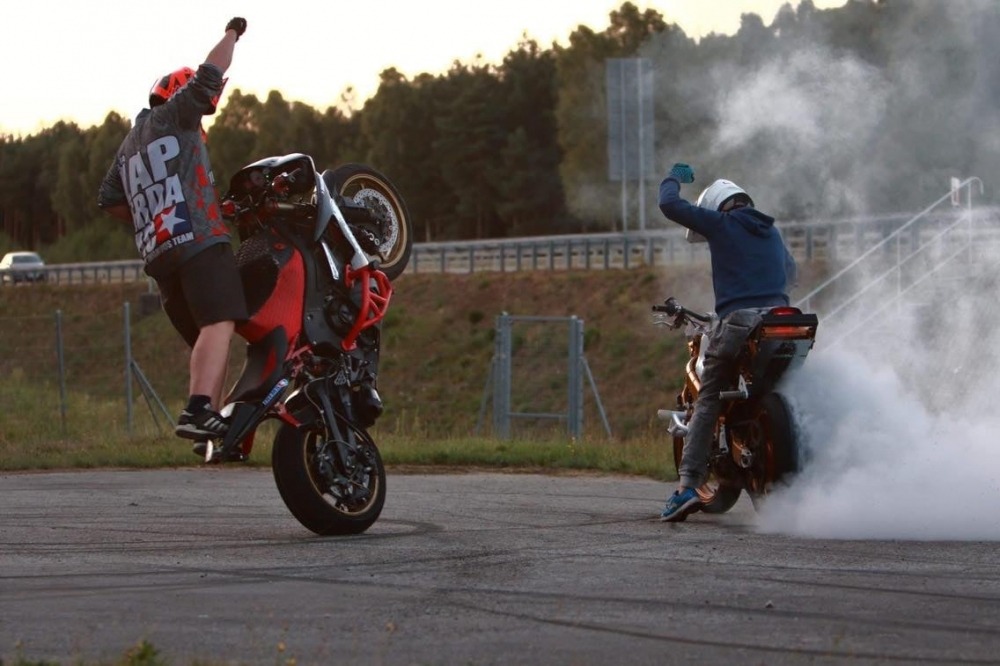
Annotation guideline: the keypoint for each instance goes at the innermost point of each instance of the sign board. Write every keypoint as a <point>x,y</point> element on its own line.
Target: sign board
<point>630,119</point>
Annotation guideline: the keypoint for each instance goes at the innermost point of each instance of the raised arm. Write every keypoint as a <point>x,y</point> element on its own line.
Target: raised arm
<point>221,54</point>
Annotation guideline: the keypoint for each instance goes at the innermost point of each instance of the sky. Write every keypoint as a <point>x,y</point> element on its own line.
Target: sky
<point>78,61</point>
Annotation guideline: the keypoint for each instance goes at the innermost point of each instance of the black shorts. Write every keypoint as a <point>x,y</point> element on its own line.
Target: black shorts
<point>206,289</point>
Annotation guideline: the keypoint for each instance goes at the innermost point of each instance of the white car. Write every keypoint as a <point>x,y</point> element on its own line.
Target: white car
<point>22,267</point>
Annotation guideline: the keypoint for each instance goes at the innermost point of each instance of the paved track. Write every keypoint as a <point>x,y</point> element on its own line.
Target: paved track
<point>207,565</point>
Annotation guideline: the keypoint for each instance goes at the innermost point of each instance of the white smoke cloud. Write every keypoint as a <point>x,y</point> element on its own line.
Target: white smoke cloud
<point>880,463</point>
<point>810,100</point>
<point>810,116</point>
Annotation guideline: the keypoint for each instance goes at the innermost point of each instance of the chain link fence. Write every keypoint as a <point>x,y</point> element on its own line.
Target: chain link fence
<point>81,375</point>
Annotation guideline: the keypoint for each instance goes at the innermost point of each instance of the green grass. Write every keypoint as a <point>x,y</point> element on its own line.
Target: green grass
<point>34,437</point>
<point>644,457</point>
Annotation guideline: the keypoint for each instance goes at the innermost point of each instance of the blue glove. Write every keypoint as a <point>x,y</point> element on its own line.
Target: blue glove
<point>682,172</point>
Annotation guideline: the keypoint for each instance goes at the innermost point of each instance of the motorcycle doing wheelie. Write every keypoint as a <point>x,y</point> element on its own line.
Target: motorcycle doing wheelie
<point>317,255</point>
<point>754,445</point>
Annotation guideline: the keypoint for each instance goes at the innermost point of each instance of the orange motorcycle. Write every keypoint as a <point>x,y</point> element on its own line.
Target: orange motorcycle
<point>755,445</point>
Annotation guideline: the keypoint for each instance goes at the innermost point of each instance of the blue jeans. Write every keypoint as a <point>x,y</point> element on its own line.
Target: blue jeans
<point>720,373</point>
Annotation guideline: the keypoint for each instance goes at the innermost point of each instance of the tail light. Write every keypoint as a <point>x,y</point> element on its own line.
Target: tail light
<point>788,322</point>
<point>787,332</point>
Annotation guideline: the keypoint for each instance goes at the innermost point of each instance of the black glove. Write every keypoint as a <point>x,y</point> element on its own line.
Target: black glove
<point>682,172</point>
<point>239,25</point>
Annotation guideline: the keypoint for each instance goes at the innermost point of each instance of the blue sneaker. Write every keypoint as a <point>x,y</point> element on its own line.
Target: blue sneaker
<point>680,505</point>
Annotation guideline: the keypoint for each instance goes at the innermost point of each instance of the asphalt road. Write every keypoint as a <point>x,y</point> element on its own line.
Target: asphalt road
<point>207,565</point>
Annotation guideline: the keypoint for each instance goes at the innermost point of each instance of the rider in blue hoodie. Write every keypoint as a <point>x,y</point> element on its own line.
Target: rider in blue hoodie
<point>751,270</point>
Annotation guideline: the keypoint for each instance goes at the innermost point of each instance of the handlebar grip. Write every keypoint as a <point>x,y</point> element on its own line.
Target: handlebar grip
<point>670,307</point>
<point>273,206</point>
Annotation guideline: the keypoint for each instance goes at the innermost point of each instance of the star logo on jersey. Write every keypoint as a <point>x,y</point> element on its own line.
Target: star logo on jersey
<point>171,222</point>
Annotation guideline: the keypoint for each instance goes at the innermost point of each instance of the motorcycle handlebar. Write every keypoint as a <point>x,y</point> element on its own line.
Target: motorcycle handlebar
<point>283,182</point>
<point>274,206</point>
<point>672,308</point>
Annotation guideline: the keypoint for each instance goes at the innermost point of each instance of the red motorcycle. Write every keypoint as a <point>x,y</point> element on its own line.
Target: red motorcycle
<point>317,255</point>
<point>754,446</point>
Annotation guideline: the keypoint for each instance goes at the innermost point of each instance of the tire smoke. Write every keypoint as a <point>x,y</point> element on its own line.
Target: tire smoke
<point>893,451</point>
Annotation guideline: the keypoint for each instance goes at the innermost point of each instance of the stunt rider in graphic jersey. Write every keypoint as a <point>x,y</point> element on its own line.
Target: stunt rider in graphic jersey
<point>161,181</point>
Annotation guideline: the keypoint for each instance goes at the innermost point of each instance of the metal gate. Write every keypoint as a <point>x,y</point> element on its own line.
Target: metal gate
<point>537,374</point>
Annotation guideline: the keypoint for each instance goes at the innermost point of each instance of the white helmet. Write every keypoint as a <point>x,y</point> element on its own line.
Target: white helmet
<point>719,192</point>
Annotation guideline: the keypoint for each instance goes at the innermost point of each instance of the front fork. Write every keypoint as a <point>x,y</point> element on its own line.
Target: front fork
<point>340,438</point>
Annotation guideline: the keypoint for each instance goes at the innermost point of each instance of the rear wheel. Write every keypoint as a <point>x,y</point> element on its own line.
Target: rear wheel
<point>324,498</point>
<point>771,438</point>
<point>717,495</point>
<point>369,187</point>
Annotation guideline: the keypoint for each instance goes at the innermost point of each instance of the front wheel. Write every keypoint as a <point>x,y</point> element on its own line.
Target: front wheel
<point>717,495</point>
<point>368,187</point>
<point>326,497</point>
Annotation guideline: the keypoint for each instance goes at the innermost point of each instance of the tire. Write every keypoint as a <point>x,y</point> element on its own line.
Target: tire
<point>774,446</point>
<point>717,495</point>
<point>297,461</point>
<point>366,185</point>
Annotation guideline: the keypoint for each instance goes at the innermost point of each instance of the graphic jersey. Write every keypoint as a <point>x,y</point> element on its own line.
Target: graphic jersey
<point>163,174</point>
<point>156,198</point>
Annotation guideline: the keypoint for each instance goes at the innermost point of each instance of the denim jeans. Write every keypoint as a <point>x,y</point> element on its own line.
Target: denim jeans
<point>719,373</point>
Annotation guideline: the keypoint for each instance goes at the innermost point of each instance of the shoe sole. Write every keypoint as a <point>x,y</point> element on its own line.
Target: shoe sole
<point>680,515</point>
<point>191,432</point>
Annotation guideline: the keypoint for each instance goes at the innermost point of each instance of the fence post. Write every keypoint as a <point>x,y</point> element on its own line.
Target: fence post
<point>61,363</point>
<point>128,372</point>
<point>502,378</point>
<point>574,422</point>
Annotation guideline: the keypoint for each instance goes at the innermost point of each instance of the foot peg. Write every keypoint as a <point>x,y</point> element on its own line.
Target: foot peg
<point>211,454</point>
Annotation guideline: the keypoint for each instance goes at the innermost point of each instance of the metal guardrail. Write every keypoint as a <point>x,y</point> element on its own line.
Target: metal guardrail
<point>93,272</point>
<point>839,241</point>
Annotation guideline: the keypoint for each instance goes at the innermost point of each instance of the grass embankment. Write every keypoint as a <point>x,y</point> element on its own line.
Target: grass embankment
<point>438,343</point>
<point>32,441</point>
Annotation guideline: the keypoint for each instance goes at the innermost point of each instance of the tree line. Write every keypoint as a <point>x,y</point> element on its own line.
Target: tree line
<point>866,108</point>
